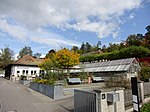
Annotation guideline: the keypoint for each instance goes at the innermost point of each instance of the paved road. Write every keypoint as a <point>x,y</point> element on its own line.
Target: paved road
<point>15,96</point>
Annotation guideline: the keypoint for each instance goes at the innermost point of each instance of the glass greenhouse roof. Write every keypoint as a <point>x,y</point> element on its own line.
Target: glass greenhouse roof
<point>108,66</point>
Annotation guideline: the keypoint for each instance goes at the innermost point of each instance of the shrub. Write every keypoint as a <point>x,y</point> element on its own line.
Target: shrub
<point>83,75</point>
<point>44,81</point>
<point>144,74</point>
<point>129,52</point>
<point>23,77</point>
<point>36,80</point>
<point>145,108</point>
<point>118,82</point>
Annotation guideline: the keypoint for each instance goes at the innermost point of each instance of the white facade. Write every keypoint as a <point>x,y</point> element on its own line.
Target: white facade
<point>17,71</point>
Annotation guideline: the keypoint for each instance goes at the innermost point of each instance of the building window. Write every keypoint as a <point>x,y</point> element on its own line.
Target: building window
<point>27,71</point>
<point>32,72</point>
<point>23,72</point>
<point>18,72</point>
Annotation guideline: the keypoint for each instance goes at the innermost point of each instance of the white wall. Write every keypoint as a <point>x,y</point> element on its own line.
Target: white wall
<point>14,70</point>
<point>118,107</point>
<point>129,75</point>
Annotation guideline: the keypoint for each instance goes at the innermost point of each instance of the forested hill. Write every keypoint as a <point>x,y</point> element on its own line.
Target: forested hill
<point>136,45</point>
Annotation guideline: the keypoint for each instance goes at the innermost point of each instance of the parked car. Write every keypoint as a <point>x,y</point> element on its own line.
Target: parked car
<point>2,75</point>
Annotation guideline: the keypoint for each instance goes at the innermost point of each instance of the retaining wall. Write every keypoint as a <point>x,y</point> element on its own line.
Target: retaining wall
<point>55,92</point>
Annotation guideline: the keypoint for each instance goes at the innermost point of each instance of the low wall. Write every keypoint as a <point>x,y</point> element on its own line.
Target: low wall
<point>55,92</point>
<point>146,89</point>
<point>25,82</point>
<point>97,101</point>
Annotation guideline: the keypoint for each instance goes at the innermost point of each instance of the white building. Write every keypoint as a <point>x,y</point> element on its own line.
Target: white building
<point>26,66</point>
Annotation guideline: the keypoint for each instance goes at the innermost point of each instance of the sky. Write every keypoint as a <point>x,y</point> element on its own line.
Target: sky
<point>53,24</point>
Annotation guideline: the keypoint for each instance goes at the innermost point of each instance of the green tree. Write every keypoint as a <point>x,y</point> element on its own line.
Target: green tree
<point>6,57</point>
<point>104,48</point>
<point>134,40</point>
<point>98,45</point>
<point>113,47</point>
<point>122,45</point>
<point>83,48</point>
<point>75,48</point>
<point>50,54</point>
<point>24,51</point>
<point>148,28</point>
<point>88,47</point>
<point>37,55</point>
<point>146,38</point>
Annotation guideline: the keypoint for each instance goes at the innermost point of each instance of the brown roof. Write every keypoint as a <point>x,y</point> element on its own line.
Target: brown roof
<point>29,60</point>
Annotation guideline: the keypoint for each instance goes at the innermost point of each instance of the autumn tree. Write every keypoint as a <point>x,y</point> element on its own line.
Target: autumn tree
<point>6,57</point>
<point>24,51</point>
<point>66,59</point>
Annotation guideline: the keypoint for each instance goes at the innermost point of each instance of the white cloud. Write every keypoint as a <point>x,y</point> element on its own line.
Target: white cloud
<point>131,16</point>
<point>16,57</point>
<point>13,30</point>
<point>36,35</point>
<point>59,13</point>
<point>42,56</point>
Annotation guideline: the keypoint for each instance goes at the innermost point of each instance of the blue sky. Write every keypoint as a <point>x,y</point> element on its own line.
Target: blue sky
<point>52,24</point>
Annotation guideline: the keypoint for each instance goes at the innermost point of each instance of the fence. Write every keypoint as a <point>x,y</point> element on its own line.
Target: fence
<point>146,89</point>
<point>128,94</point>
<point>84,101</point>
<point>128,98</point>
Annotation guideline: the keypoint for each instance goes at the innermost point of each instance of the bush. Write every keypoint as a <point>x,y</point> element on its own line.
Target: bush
<point>144,74</point>
<point>23,77</point>
<point>129,52</point>
<point>83,75</point>
<point>145,108</point>
<point>118,82</point>
<point>44,81</point>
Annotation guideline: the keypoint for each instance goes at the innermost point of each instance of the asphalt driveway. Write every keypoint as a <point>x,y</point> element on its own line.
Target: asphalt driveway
<point>15,96</point>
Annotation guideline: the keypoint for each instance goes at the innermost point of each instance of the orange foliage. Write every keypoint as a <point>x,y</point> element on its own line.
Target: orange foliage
<point>65,58</point>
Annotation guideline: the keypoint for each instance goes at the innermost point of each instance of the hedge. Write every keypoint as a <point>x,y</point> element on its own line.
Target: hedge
<point>129,52</point>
